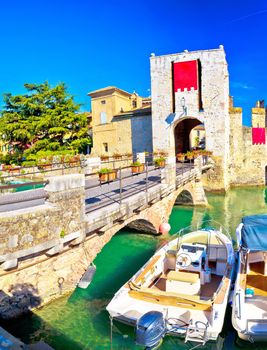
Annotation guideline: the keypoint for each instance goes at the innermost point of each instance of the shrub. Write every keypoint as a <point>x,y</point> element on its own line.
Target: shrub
<point>159,160</point>
<point>163,153</point>
<point>105,171</point>
<point>128,154</point>
<point>116,155</point>
<point>137,163</point>
<point>104,157</point>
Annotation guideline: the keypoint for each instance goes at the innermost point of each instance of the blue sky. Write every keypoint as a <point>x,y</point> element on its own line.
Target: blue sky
<point>93,44</point>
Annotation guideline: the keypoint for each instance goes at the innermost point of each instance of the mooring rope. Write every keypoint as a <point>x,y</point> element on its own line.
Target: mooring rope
<point>111,326</point>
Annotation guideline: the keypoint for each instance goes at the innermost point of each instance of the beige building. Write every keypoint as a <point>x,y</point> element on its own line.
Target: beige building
<point>121,122</point>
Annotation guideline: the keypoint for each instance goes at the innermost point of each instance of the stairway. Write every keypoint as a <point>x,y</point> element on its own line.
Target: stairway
<point>197,332</point>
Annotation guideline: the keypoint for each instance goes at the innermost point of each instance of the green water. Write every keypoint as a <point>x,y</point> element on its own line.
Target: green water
<point>80,321</point>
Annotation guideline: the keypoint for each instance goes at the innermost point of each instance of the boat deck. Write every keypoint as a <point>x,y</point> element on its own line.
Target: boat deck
<point>256,279</point>
<point>207,290</point>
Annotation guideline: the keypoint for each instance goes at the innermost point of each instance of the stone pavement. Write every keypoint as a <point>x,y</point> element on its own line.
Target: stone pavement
<point>101,196</point>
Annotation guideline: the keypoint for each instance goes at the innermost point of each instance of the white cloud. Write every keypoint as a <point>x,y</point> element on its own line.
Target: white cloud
<point>240,85</point>
<point>247,16</point>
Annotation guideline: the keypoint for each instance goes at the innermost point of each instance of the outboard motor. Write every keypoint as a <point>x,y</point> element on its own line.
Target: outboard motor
<point>150,329</point>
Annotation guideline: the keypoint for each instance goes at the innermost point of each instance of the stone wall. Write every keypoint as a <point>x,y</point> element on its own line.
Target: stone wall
<point>258,118</point>
<point>247,161</point>
<point>25,231</point>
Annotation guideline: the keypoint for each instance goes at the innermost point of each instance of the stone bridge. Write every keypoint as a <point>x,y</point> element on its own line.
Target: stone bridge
<point>46,248</point>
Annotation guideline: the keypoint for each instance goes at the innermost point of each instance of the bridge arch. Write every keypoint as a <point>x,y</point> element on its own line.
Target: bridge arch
<point>185,195</point>
<point>185,132</point>
<point>142,225</point>
<point>184,198</point>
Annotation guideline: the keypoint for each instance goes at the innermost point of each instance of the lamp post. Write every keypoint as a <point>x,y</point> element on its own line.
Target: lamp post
<point>183,105</point>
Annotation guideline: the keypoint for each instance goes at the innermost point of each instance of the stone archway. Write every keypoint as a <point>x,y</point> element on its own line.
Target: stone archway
<point>184,198</point>
<point>182,132</point>
<point>143,226</point>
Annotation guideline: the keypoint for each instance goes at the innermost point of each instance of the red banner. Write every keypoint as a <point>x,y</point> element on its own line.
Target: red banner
<point>185,75</point>
<point>258,136</point>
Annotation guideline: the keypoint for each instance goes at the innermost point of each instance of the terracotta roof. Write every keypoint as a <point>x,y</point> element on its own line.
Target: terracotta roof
<point>108,90</point>
<point>146,110</point>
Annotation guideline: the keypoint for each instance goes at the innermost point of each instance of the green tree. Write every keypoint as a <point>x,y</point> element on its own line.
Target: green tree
<point>45,119</point>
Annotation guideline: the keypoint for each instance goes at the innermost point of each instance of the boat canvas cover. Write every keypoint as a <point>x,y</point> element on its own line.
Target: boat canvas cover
<point>254,232</point>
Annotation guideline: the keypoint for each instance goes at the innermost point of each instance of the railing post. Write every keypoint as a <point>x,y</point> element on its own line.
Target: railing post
<point>146,182</point>
<point>120,185</point>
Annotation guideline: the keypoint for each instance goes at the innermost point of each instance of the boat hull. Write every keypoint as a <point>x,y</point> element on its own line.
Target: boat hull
<point>252,337</point>
<point>249,307</point>
<point>182,312</point>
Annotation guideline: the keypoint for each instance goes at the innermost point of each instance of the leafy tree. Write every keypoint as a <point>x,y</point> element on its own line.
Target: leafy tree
<point>45,119</point>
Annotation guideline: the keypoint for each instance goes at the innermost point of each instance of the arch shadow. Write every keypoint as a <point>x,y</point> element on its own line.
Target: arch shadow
<point>184,198</point>
<point>142,226</point>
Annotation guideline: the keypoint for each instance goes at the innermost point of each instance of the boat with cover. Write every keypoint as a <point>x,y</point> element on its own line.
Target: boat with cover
<point>249,313</point>
<point>182,290</point>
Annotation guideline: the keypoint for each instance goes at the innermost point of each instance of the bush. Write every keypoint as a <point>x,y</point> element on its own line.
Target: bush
<point>14,158</point>
<point>159,160</point>
<point>29,163</point>
<point>105,171</point>
<point>137,163</point>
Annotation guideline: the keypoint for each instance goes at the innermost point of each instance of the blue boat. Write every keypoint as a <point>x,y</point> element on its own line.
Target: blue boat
<point>249,314</point>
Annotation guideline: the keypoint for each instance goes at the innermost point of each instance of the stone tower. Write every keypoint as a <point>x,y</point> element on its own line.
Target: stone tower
<point>188,89</point>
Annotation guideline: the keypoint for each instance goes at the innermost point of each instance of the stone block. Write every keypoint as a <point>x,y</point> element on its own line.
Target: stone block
<point>13,241</point>
<point>9,264</point>
<point>55,250</point>
<point>65,182</point>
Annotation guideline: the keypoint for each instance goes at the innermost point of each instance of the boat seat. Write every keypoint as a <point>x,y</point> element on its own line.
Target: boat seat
<point>183,276</point>
<point>171,298</point>
<point>189,282</point>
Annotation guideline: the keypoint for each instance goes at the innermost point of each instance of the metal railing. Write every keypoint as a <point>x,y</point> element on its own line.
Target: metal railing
<point>42,168</point>
<point>122,187</point>
<point>99,193</point>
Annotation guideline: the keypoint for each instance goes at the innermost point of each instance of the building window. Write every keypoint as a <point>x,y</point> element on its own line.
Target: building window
<point>105,147</point>
<point>103,118</point>
<point>103,102</point>
<point>134,104</point>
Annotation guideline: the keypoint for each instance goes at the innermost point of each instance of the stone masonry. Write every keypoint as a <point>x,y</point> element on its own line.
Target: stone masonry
<point>213,114</point>
<point>46,249</point>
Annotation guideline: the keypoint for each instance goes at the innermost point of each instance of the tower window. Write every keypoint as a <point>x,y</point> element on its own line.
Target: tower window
<point>105,145</point>
<point>103,117</point>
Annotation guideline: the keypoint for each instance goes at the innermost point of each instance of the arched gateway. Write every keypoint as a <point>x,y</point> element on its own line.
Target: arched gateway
<point>190,89</point>
<point>183,135</point>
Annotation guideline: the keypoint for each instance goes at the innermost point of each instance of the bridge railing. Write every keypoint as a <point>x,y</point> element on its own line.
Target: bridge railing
<point>123,186</point>
<point>33,176</point>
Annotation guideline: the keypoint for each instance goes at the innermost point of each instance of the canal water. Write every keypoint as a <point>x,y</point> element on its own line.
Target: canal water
<point>80,321</point>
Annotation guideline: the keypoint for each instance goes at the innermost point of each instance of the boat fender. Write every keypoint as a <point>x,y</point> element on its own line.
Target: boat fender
<point>164,228</point>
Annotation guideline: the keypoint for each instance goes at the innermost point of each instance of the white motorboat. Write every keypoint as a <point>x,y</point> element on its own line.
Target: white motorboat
<point>249,314</point>
<point>182,290</point>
